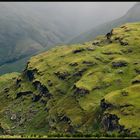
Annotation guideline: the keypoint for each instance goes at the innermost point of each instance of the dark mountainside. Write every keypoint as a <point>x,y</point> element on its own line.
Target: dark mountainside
<point>29,29</point>
<point>25,32</point>
<point>90,89</point>
<point>131,16</point>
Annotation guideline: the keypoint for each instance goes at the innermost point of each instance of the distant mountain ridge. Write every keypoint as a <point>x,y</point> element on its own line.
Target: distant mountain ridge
<point>131,16</point>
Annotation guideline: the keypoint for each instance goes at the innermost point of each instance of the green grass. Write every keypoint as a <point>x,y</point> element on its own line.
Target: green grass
<point>90,69</point>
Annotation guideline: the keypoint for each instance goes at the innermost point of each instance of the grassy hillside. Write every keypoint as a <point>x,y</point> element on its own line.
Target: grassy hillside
<point>89,89</point>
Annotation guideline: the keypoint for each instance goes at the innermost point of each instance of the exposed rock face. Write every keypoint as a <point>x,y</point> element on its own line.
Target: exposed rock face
<point>110,122</point>
<point>64,118</point>
<point>30,75</point>
<point>81,91</point>
<point>108,35</point>
<point>36,98</point>
<point>42,89</point>
<point>78,50</point>
<point>119,64</point>
<point>62,75</point>
<point>80,72</point>
<point>135,81</point>
<point>23,93</point>
<point>104,105</point>
<point>89,63</point>
<point>18,81</point>
<point>37,85</point>
<point>123,43</point>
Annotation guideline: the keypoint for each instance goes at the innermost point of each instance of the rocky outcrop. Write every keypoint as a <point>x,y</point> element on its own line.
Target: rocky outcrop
<point>89,63</point>
<point>108,35</point>
<point>80,91</point>
<point>36,98</point>
<point>19,94</point>
<point>43,90</point>
<point>78,50</point>
<point>119,64</point>
<point>110,122</point>
<point>123,43</point>
<point>29,74</point>
<point>104,105</point>
<point>62,75</point>
<point>80,72</point>
<point>64,118</point>
<point>96,42</point>
<point>136,81</point>
<point>18,80</point>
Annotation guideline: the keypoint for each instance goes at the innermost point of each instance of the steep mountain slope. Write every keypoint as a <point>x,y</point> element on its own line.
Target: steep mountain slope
<point>89,89</point>
<point>131,16</point>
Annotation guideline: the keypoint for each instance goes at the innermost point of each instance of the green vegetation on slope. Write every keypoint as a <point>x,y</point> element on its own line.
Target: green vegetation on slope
<point>89,89</point>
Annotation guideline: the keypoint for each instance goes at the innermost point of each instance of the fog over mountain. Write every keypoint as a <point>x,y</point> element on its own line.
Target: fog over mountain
<point>82,15</point>
<point>27,28</point>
